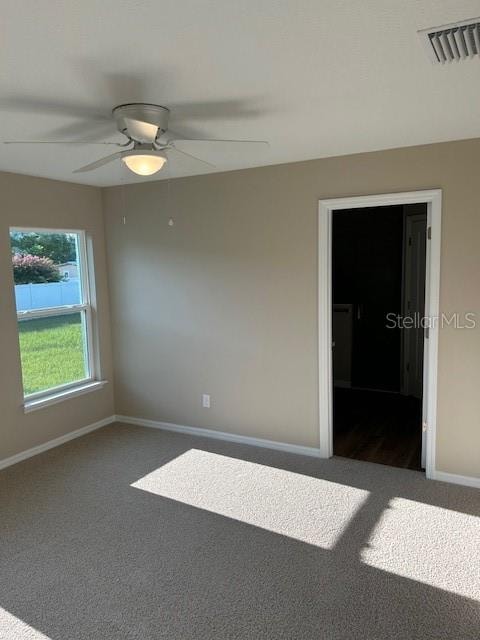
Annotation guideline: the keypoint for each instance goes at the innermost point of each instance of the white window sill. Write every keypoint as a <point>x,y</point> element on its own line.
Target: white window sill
<point>60,396</point>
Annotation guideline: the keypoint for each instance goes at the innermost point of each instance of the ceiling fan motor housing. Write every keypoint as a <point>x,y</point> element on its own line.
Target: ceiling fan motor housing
<point>149,113</point>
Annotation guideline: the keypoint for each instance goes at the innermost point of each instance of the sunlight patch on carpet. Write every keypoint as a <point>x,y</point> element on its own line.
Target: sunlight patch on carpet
<point>429,544</point>
<point>301,507</point>
<point>12,628</point>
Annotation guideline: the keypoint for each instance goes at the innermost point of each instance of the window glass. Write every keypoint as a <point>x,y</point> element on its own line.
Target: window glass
<point>52,308</point>
<point>45,269</point>
<point>52,351</point>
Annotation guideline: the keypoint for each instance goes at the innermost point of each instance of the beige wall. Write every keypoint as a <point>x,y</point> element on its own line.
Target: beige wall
<point>225,301</point>
<point>27,201</point>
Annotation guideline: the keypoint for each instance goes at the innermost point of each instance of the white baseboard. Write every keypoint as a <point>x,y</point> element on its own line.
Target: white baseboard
<point>222,435</point>
<point>467,481</point>
<point>23,455</point>
<point>442,476</point>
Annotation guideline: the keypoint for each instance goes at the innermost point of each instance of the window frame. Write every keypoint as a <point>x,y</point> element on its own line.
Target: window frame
<point>84,307</point>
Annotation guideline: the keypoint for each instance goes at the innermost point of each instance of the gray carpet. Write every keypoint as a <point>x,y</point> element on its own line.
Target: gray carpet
<point>133,533</point>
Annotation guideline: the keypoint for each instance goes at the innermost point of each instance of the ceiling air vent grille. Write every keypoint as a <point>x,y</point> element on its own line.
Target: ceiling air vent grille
<point>452,42</point>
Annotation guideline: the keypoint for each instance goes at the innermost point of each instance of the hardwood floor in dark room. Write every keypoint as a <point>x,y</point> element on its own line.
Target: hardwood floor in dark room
<point>378,427</point>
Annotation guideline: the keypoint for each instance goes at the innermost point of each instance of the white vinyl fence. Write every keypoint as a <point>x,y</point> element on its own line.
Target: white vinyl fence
<point>50,294</point>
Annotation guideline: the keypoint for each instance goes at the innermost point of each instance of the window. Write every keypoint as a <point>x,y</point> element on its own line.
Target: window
<point>53,311</point>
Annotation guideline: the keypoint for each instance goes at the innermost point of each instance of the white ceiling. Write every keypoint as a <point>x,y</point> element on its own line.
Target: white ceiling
<point>315,78</point>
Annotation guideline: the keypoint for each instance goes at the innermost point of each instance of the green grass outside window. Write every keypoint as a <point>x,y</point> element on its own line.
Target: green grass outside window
<point>51,351</point>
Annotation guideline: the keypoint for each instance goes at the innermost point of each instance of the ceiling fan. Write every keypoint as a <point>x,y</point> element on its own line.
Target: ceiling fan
<point>149,142</point>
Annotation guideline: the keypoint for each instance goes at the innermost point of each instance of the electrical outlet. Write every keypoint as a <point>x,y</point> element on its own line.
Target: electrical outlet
<point>205,400</point>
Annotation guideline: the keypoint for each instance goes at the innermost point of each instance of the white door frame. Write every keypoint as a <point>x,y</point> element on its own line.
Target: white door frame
<point>433,200</point>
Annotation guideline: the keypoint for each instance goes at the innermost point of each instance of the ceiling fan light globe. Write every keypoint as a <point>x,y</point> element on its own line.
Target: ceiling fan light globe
<point>144,164</point>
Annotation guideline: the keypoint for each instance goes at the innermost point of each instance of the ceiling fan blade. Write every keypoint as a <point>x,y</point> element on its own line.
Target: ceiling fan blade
<point>141,131</point>
<point>39,104</point>
<point>221,146</point>
<point>184,153</point>
<point>229,109</point>
<point>85,129</point>
<point>116,144</point>
<point>99,163</point>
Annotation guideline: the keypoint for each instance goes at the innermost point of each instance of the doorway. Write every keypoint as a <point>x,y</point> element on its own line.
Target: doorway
<point>378,276</point>
<point>378,280</point>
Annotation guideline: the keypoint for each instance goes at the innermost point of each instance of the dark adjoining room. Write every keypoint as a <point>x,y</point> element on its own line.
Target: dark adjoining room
<point>378,273</point>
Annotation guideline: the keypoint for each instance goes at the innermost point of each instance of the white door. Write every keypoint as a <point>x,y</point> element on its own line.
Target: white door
<point>416,238</point>
<point>414,307</point>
